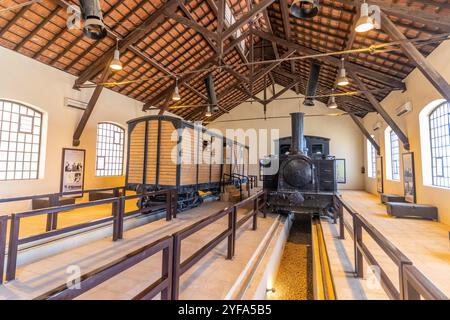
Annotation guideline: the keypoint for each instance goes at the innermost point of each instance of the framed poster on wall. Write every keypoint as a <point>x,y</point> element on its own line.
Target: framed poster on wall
<point>340,171</point>
<point>380,174</point>
<point>72,171</point>
<point>409,181</point>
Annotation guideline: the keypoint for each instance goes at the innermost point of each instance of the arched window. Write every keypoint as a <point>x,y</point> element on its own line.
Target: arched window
<point>392,149</point>
<point>110,149</point>
<point>371,160</point>
<point>20,141</point>
<point>440,145</point>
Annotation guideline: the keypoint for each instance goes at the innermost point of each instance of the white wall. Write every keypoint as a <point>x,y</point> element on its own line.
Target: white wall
<point>420,93</point>
<point>345,137</point>
<point>43,87</point>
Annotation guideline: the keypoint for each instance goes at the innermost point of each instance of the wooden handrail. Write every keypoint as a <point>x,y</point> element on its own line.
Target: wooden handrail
<point>412,283</point>
<point>117,217</point>
<point>98,276</point>
<point>181,267</point>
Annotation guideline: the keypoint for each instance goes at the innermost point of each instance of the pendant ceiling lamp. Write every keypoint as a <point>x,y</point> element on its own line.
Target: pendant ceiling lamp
<point>305,9</point>
<point>342,80</point>
<point>332,103</point>
<point>176,92</point>
<point>208,111</point>
<point>93,28</point>
<point>368,19</point>
<point>116,64</point>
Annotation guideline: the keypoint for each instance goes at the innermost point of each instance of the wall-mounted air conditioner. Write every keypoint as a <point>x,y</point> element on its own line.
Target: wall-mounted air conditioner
<point>377,126</point>
<point>72,103</point>
<point>403,109</point>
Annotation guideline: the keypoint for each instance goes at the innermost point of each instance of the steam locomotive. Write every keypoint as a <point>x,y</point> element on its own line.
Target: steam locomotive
<point>302,183</point>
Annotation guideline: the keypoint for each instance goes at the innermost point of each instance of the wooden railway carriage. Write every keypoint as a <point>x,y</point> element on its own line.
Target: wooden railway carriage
<point>166,152</point>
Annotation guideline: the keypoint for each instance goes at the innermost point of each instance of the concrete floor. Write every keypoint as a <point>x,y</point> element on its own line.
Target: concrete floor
<point>211,278</point>
<point>425,243</point>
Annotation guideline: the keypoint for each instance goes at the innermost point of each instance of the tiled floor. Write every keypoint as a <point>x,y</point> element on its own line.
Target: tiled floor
<point>425,243</point>
<point>209,279</point>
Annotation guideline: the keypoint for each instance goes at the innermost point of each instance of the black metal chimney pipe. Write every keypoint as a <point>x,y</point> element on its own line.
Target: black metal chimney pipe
<point>297,140</point>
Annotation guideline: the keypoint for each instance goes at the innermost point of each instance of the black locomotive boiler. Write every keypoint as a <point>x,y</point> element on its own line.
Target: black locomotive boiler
<point>301,184</point>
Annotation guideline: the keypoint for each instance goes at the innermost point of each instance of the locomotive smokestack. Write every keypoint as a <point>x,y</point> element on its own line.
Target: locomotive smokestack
<point>297,140</point>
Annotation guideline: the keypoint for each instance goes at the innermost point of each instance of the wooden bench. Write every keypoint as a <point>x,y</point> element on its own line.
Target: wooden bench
<point>412,210</point>
<point>385,198</point>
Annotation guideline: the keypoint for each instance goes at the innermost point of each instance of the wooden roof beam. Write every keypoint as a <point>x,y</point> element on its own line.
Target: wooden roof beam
<point>189,22</point>
<point>377,106</point>
<point>90,107</point>
<point>246,18</point>
<point>285,89</point>
<point>206,64</point>
<point>422,16</point>
<point>366,72</point>
<point>416,57</point>
<point>365,132</point>
<point>272,66</point>
<point>287,29</point>
<point>139,32</point>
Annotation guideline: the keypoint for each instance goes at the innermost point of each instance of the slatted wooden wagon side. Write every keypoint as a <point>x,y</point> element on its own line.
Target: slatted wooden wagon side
<point>166,152</point>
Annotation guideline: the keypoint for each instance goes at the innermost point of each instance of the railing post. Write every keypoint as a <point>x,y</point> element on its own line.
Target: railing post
<point>404,287</point>
<point>231,237</point>
<point>176,266</point>
<point>52,218</point>
<point>12,248</point>
<point>118,212</point>
<point>357,239</point>
<point>167,267</point>
<point>174,203</point>
<point>265,201</point>
<point>3,231</point>
<point>168,205</point>
<point>407,291</point>
<point>255,213</point>
<point>116,194</point>
<point>341,221</point>
<point>121,211</point>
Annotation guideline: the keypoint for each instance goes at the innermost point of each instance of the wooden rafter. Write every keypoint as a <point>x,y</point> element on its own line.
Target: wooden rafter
<point>287,30</point>
<point>416,57</point>
<point>365,133</point>
<point>89,108</point>
<point>139,32</point>
<point>369,73</point>
<point>246,18</point>
<point>377,106</point>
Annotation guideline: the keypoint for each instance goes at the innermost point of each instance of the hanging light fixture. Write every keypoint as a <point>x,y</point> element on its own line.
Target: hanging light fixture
<point>176,92</point>
<point>94,28</point>
<point>208,111</point>
<point>116,64</point>
<point>332,102</point>
<point>305,9</point>
<point>369,18</point>
<point>342,80</point>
